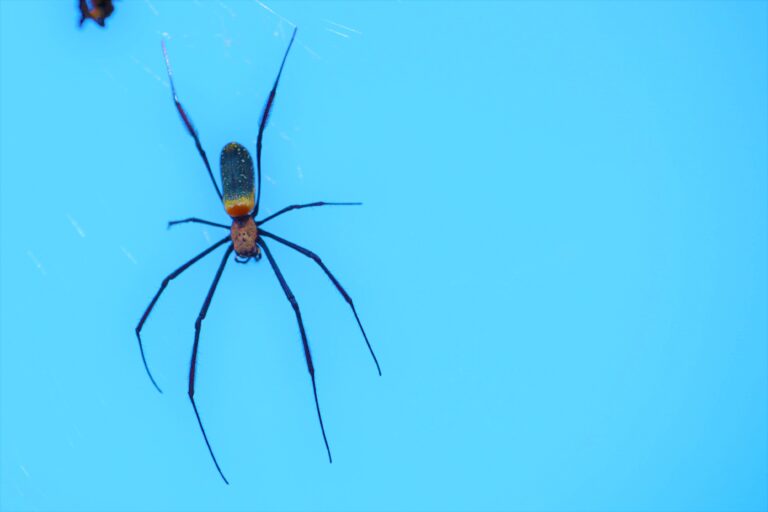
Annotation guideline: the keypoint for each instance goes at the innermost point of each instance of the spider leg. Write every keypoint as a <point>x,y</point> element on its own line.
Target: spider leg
<point>187,121</point>
<point>265,118</point>
<point>335,282</point>
<point>165,282</point>
<point>307,354</point>
<point>193,363</point>
<point>84,14</point>
<point>199,221</point>
<point>300,206</point>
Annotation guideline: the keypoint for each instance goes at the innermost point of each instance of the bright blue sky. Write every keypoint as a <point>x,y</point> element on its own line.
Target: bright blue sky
<point>561,259</point>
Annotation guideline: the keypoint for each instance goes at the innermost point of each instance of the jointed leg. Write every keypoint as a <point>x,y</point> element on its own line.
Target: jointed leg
<point>193,363</point>
<point>300,206</point>
<point>265,118</point>
<point>173,275</point>
<point>188,122</point>
<point>336,283</point>
<point>199,221</point>
<point>307,354</point>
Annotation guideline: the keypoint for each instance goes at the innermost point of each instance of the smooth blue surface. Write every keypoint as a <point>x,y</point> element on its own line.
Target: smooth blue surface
<point>561,259</point>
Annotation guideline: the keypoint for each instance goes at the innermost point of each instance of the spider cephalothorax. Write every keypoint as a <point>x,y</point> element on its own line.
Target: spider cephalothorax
<point>244,234</point>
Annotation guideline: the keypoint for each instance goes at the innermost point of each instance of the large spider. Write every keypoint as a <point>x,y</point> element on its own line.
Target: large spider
<point>246,239</point>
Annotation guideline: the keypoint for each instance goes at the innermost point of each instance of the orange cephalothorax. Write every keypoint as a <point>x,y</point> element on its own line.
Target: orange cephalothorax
<point>237,180</point>
<point>244,234</point>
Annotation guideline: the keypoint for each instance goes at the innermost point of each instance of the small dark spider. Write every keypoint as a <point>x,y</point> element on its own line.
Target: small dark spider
<point>247,241</point>
<point>101,10</point>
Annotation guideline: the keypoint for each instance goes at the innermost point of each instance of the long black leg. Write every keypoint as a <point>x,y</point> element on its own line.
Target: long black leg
<point>173,275</point>
<point>264,119</point>
<point>199,221</point>
<point>188,122</point>
<point>307,354</point>
<point>193,363</point>
<point>310,254</point>
<point>300,206</point>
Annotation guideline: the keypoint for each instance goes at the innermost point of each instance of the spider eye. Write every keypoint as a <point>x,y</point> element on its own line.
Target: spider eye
<point>237,180</point>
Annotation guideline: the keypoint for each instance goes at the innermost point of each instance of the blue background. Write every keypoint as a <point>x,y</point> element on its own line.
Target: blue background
<point>561,259</point>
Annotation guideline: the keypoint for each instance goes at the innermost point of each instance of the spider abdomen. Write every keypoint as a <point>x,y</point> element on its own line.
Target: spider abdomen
<point>244,234</point>
<point>237,180</point>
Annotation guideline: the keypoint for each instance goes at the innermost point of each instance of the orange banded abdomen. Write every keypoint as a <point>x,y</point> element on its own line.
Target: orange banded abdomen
<point>237,180</point>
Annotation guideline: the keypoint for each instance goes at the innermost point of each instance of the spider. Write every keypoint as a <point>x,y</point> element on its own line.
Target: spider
<point>101,10</point>
<point>246,240</point>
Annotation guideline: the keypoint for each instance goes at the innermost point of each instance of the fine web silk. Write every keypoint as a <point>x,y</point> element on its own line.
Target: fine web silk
<point>237,180</point>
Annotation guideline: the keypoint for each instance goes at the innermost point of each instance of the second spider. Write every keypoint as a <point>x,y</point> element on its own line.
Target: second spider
<point>246,239</point>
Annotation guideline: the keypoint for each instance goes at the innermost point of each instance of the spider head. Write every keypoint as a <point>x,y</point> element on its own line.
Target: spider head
<point>244,234</point>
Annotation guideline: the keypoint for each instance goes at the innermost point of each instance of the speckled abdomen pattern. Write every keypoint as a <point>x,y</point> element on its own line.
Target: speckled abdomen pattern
<point>237,180</point>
